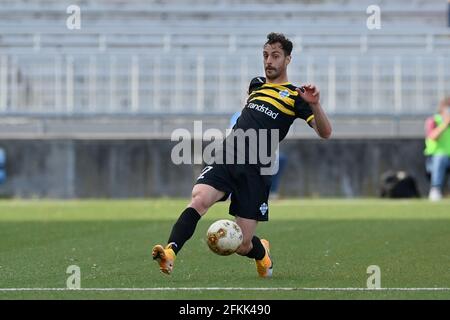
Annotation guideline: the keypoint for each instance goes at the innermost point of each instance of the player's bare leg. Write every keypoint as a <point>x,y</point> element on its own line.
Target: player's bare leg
<point>203,197</point>
<point>255,248</point>
<point>248,227</point>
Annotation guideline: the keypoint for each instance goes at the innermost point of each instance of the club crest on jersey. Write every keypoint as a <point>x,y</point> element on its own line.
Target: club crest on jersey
<point>284,94</point>
<point>263,208</point>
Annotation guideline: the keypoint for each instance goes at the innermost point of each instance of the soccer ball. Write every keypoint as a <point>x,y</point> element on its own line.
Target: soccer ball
<point>224,237</point>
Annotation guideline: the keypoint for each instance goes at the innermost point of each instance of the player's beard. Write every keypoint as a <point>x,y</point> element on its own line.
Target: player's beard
<point>272,73</point>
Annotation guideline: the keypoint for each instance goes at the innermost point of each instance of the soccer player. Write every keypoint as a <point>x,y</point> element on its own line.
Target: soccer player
<point>273,104</point>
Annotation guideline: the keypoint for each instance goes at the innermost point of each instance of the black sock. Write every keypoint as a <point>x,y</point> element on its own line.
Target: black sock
<point>258,252</point>
<point>184,228</point>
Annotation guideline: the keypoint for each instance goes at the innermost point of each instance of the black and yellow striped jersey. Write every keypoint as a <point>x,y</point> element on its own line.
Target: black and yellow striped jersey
<point>269,107</point>
<point>273,106</point>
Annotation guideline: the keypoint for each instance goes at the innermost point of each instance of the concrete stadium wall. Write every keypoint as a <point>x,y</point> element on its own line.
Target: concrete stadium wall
<point>143,168</point>
<point>349,168</point>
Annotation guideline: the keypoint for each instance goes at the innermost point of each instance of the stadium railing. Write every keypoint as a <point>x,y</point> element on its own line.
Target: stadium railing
<point>212,40</point>
<point>113,83</point>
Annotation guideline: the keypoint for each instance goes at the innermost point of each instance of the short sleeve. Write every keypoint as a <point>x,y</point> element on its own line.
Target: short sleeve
<point>303,110</point>
<point>256,83</point>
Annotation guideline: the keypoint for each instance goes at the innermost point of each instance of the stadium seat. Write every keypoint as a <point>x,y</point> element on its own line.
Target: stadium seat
<point>52,70</point>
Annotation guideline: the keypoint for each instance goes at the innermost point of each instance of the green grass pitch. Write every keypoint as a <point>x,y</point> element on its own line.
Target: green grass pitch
<point>315,244</point>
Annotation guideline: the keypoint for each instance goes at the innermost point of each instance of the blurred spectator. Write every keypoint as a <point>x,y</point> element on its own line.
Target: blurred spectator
<point>448,13</point>
<point>234,118</point>
<point>437,148</point>
<point>2,166</point>
<point>282,161</point>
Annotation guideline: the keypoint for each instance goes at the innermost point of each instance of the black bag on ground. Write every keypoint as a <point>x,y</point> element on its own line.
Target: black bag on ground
<point>398,184</point>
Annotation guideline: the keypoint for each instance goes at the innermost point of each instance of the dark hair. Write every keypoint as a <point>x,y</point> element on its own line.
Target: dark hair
<point>280,38</point>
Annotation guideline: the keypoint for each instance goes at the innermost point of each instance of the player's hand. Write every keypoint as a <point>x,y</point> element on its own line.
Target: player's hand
<point>310,93</point>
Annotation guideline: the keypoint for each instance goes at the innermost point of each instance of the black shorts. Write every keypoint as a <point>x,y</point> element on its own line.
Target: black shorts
<point>248,188</point>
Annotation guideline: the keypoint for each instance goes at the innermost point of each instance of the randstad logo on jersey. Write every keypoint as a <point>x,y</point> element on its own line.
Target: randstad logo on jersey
<point>262,108</point>
<point>284,94</point>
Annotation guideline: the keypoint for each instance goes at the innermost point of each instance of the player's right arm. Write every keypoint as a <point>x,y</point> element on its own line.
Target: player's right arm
<point>433,131</point>
<point>320,123</point>
<point>323,129</point>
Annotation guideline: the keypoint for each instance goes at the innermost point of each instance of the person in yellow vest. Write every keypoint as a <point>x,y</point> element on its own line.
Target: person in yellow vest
<point>437,148</point>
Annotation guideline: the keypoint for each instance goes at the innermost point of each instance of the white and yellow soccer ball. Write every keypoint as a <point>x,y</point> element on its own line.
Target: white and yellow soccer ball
<point>224,237</point>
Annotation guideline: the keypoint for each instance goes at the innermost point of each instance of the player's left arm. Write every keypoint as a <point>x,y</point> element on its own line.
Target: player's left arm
<point>320,123</point>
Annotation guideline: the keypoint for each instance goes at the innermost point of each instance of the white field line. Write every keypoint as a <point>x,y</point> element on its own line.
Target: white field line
<point>222,289</point>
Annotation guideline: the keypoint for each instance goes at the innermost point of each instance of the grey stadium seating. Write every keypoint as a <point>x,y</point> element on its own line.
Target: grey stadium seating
<point>168,58</point>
